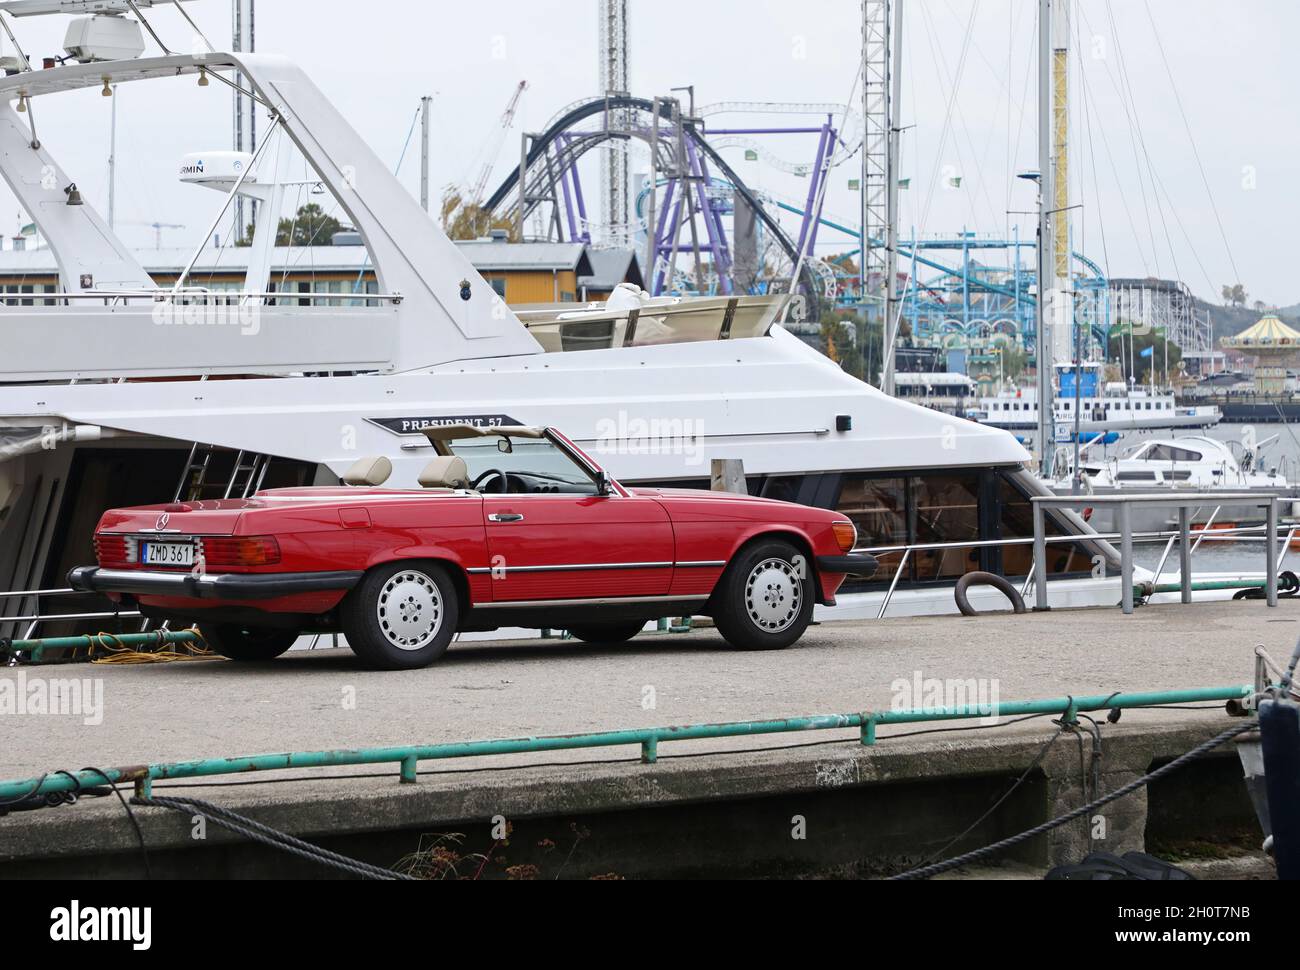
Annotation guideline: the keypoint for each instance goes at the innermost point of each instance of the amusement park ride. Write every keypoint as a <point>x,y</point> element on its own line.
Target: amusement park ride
<point>717,235</point>
<point>671,191</point>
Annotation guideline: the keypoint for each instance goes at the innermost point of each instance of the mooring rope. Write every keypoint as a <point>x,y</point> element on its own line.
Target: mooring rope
<point>926,872</point>
<point>265,835</point>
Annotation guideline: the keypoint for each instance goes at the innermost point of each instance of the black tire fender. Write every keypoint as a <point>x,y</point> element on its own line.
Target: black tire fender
<point>986,579</point>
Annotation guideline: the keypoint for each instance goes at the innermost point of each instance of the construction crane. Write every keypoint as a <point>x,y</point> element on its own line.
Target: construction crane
<point>493,147</point>
<point>157,228</point>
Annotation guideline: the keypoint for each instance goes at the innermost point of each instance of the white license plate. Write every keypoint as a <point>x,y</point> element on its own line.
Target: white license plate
<point>167,553</point>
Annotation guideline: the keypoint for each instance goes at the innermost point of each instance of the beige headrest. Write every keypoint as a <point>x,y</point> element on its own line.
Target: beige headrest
<point>450,472</point>
<point>369,471</point>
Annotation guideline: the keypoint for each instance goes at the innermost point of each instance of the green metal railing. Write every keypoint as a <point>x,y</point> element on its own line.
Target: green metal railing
<point>35,649</point>
<point>648,739</point>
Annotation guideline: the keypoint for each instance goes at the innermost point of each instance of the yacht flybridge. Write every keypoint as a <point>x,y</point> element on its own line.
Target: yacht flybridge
<point>120,392</point>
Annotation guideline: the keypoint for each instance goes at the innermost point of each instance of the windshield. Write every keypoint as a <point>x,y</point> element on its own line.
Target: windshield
<point>531,466</point>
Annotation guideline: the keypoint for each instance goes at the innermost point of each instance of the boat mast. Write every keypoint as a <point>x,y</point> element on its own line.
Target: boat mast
<point>424,151</point>
<point>1045,282</point>
<point>112,162</point>
<point>243,39</point>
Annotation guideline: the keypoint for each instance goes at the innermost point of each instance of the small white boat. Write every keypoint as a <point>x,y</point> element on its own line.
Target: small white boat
<point>1191,463</point>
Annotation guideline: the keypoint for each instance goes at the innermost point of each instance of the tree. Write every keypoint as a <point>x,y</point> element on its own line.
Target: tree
<point>1015,359</point>
<point>309,227</point>
<point>1141,366</point>
<point>1234,295</point>
<point>462,219</point>
<point>851,342</point>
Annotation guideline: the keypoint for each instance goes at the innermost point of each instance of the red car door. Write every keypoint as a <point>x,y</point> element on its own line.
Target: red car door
<point>565,547</point>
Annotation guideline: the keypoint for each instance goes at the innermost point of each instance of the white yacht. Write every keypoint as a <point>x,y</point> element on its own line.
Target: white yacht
<point>1101,406</point>
<point>116,392</point>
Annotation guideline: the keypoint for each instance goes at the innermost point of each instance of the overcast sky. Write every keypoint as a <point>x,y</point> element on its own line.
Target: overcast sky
<point>1213,130</point>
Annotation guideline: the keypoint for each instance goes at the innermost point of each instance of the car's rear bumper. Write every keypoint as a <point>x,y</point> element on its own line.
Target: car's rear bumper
<point>217,586</point>
<point>854,564</point>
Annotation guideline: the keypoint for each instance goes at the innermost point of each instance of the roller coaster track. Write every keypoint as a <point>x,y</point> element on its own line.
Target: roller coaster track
<point>562,124</point>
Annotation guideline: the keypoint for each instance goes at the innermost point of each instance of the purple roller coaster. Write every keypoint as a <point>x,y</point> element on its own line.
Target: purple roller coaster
<point>713,234</point>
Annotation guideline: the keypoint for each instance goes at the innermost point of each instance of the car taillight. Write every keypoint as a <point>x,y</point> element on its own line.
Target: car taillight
<point>846,534</point>
<point>111,550</point>
<point>241,551</point>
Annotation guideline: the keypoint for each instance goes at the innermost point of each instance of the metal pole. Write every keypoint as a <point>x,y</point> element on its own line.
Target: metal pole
<point>1271,572</point>
<point>1040,558</point>
<point>1046,271</point>
<point>523,186</point>
<point>1126,556</point>
<point>424,152</point>
<point>651,230</point>
<point>112,163</point>
<point>1077,484</point>
<point>1185,551</point>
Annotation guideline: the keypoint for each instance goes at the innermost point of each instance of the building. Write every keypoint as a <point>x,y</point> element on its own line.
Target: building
<point>533,272</point>
<point>523,273</point>
<point>609,267</point>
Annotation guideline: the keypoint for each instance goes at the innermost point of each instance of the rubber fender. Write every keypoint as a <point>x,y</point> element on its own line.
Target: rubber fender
<point>986,579</point>
<point>1279,730</point>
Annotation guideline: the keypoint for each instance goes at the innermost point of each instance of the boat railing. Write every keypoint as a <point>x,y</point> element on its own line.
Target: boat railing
<point>35,620</point>
<point>1258,533</point>
<point>1185,504</point>
<point>197,296</point>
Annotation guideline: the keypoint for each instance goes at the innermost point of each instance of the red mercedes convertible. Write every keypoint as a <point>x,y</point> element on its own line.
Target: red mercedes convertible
<point>512,527</point>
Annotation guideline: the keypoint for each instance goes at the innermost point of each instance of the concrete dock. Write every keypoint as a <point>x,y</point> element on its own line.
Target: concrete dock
<point>707,806</point>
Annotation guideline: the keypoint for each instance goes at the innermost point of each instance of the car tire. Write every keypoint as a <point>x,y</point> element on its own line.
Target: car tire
<point>764,600</point>
<point>607,632</point>
<point>401,616</point>
<point>247,644</point>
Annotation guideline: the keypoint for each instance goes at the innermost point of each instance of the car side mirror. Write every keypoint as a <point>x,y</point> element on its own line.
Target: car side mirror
<point>604,484</point>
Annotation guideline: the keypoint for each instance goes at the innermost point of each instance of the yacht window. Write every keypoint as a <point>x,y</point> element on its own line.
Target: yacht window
<point>1016,521</point>
<point>878,507</point>
<point>783,488</point>
<point>1171,453</point>
<point>946,509</point>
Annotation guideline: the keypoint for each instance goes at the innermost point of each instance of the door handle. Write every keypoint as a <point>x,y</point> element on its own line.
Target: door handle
<point>505,517</point>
